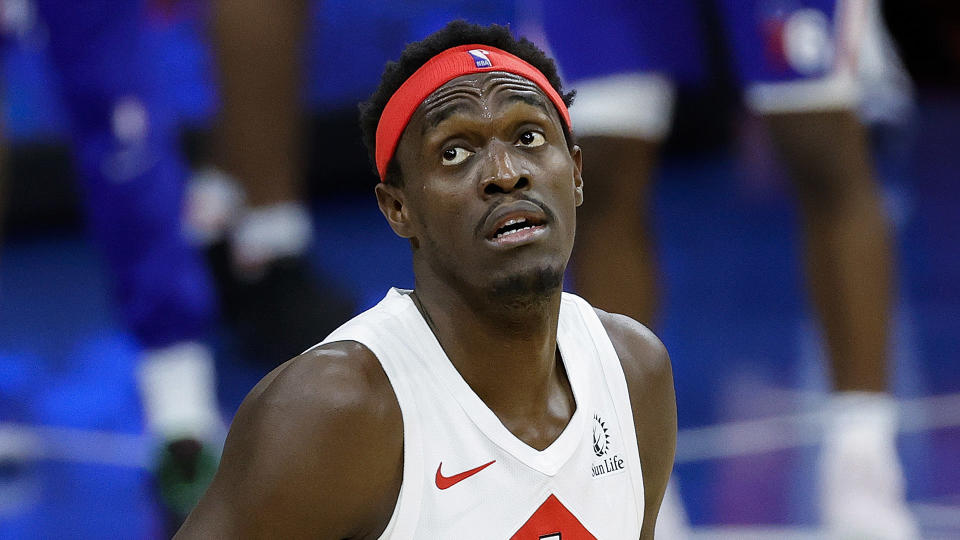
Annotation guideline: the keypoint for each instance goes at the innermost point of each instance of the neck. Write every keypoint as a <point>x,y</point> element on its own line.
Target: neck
<point>498,343</point>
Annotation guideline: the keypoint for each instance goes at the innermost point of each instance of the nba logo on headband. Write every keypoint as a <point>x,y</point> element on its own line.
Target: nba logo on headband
<point>480,57</point>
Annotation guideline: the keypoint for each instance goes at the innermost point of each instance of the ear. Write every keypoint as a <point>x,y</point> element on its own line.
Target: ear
<point>393,206</point>
<point>577,156</point>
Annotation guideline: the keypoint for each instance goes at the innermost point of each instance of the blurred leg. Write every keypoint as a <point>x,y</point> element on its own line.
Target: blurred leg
<point>132,175</point>
<point>259,52</point>
<point>801,66</point>
<point>258,48</point>
<point>270,293</point>
<point>849,260</point>
<point>850,267</point>
<point>613,227</point>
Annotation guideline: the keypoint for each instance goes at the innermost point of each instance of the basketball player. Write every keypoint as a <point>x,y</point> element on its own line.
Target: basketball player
<point>259,247</point>
<point>131,176</point>
<point>485,403</point>
<point>797,61</point>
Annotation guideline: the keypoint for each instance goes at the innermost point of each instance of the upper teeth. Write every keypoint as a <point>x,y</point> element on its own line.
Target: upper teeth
<point>511,222</point>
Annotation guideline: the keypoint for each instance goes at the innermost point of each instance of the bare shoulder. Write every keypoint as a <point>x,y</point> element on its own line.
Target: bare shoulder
<point>315,450</point>
<point>343,379</point>
<point>649,376</point>
<point>642,354</point>
<point>647,369</point>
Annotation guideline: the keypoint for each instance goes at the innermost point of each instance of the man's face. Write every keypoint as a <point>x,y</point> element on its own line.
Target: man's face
<point>491,188</point>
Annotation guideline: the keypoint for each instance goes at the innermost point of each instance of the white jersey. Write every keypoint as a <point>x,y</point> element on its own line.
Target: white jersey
<point>467,476</point>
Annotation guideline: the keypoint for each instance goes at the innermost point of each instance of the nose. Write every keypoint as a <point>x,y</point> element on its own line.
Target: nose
<point>504,172</point>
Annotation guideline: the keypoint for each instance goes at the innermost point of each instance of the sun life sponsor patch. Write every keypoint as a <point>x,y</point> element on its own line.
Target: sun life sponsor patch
<point>607,462</point>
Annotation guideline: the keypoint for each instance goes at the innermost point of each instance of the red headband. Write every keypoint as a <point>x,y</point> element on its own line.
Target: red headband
<point>439,70</point>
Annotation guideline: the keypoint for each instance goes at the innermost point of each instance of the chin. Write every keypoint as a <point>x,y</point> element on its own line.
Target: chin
<point>530,285</point>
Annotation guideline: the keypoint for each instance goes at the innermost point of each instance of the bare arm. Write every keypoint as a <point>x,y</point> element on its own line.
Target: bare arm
<point>646,366</point>
<point>315,451</point>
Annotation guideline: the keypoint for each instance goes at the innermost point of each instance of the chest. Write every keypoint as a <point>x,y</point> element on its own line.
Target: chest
<point>477,479</point>
<point>581,486</point>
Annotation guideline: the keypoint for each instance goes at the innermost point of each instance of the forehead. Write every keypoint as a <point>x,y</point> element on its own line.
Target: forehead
<point>489,88</point>
<point>485,82</point>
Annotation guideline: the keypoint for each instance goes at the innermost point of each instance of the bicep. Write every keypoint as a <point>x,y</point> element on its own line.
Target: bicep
<point>213,517</point>
<point>646,366</point>
<point>656,439</point>
<point>293,465</point>
<point>266,477</point>
<point>220,511</point>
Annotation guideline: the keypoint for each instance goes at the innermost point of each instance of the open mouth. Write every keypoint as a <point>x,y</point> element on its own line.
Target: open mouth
<point>515,223</point>
<point>517,230</point>
<point>514,226</point>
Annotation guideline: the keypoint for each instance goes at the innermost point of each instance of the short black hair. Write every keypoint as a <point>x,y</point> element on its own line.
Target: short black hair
<point>417,54</point>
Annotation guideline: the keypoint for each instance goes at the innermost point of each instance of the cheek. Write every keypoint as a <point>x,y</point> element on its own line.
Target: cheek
<point>446,217</point>
<point>566,201</point>
<point>560,166</point>
<point>559,163</point>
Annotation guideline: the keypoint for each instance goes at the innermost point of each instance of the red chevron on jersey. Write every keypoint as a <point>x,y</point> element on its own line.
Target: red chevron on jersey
<point>552,521</point>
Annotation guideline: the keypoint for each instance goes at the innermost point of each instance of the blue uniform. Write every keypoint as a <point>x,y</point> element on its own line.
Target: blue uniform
<point>350,41</point>
<point>769,40</point>
<point>127,157</point>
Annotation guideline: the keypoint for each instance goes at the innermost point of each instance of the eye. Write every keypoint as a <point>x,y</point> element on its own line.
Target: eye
<point>531,139</point>
<point>455,155</point>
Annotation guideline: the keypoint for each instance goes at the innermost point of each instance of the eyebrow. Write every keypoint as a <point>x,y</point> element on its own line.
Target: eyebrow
<point>530,99</point>
<point>437,116</point>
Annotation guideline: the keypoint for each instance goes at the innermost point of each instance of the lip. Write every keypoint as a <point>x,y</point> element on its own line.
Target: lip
<point>522,209</point>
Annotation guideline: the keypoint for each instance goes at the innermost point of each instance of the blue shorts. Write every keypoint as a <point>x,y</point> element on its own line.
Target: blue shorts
<point>768,40</point>
<point>624,57</point>
<point>344,67</point>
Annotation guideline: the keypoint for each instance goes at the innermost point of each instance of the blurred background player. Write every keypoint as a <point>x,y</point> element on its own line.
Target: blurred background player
<point>126,154</point>
<point>126,139</point>
<point>798,64</point>
<point>250,210</point>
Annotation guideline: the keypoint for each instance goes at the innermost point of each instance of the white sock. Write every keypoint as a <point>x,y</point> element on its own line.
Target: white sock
<point>214,201</point>
<point>264,234</point>
<point>860,435</point>
<point>860,438</point>
<point>862,486</point>
<point>179,392</point>
<point>872,413</point>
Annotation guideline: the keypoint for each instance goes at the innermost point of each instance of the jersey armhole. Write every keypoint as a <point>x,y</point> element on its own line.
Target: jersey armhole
<point>616,381</point>
<point>403,520</point>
